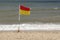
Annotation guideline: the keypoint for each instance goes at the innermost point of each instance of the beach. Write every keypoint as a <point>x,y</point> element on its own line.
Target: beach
<point>35,35</point>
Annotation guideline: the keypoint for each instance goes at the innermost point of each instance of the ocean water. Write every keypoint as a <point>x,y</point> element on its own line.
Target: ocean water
<point>8,13</point>
<point>45,12</point>
<point>44,16</point>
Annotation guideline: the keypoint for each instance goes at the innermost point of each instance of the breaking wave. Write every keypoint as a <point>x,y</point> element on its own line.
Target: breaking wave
<point>29,26</point>
<point>39,26</point>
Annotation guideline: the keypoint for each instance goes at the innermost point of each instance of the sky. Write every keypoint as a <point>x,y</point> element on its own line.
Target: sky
<point>43,0</point>
<point>29,0</point>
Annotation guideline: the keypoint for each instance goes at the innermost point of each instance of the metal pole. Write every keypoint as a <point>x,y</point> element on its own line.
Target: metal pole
<point>19,18</point>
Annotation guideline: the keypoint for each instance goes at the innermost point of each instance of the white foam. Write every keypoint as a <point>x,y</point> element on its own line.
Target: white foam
<point>12,27</point>
<point>56,8</point>
<point>29,26</point>
<point>39,26</point>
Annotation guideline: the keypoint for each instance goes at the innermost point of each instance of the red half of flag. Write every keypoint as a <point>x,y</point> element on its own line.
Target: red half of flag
<point>24,8</point>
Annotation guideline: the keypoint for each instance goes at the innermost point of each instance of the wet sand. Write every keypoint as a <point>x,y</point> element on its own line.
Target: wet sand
<point>23,35</point>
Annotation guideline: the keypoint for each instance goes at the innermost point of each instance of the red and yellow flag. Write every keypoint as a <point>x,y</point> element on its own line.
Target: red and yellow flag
<point>24,10</point>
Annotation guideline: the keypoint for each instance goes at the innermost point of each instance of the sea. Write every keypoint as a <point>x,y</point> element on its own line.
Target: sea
<point>44,15</point>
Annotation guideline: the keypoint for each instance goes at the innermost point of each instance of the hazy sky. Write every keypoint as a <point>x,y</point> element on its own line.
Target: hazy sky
<point>40,0</point>
<point>29,0</point>
<point>44,0</point>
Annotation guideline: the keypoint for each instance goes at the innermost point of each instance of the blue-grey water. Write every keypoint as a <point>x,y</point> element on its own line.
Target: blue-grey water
<point>45,12</point>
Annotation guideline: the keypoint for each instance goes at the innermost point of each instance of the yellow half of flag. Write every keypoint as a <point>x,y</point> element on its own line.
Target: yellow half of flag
<point>23,12</point>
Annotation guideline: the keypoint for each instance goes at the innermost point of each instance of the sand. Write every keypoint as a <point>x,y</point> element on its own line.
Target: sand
<point>23,35</point>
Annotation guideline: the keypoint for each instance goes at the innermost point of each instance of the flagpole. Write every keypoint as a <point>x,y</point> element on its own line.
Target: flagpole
<point>19,17</point>
<point>19,14</point>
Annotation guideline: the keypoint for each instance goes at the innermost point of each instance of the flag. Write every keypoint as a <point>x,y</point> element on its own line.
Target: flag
<point>24,10</point>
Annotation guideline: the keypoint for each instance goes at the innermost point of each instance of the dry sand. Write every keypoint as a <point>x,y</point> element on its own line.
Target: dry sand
<point>23,35</point>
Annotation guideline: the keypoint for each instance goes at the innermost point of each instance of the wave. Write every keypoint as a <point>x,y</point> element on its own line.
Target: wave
<point>30,26</point>
<point>9,27</point>
<point>39,26</point>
